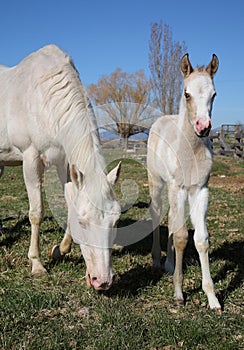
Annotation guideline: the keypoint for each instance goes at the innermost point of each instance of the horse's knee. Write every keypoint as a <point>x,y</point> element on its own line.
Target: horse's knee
<point>36,217</point>
<point>202,246</point>
<point>180,239</point>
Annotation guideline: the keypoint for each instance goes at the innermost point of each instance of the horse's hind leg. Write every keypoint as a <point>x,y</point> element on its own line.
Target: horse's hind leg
<point>33,171</point>
<point>198,207</point>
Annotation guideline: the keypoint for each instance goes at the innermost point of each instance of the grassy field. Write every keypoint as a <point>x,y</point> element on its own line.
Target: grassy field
<point>57,311</point>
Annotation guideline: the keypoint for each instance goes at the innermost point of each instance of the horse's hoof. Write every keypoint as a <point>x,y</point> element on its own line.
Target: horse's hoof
<point>54,253</point>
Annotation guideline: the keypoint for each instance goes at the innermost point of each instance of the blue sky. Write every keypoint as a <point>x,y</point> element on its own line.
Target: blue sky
<point>103,35</point>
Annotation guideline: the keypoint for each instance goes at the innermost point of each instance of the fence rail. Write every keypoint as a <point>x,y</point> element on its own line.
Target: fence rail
<point>229,140</point>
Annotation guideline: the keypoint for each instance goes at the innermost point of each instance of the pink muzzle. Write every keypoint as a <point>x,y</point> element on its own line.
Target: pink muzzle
<point>98,283</point>
<point>203,126</point>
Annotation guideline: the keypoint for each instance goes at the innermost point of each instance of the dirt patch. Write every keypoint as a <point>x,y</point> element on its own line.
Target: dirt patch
<point>234,184</point>
<point>8,198</point>
<point>230,178</point>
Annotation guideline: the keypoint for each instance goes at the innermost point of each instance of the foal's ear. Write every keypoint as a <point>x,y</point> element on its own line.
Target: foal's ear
<point>113,175</point>
<point>213,66</point>
<point>186,67</point>
<point>76,176</point>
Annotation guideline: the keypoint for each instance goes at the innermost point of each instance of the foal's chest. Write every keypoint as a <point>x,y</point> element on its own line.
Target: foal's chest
<point>194,169</point>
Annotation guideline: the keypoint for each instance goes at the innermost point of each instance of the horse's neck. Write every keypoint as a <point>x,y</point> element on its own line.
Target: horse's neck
<point>81,142</point>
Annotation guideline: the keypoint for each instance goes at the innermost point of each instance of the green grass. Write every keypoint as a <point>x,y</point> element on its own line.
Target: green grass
<point>57,311</point>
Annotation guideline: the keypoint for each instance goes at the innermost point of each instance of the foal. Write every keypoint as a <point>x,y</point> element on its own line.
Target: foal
<point>179,154</point>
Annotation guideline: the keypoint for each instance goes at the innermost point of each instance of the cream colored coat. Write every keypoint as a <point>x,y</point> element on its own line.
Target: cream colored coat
<point>179,154</point>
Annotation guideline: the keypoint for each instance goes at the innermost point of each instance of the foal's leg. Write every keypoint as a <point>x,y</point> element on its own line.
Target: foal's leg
<point>177,229</point>
<point>198,208</point>
<point>33,171</point>
<point>155,189</point>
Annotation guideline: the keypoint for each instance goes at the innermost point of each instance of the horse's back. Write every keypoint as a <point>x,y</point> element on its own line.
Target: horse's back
<point>23,116</point>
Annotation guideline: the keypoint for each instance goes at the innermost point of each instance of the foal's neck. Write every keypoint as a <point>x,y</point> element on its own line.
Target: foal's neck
<point>187,136</point>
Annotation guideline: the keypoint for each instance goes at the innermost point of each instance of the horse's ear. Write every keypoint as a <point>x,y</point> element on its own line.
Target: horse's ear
<point>113,175</point>
<point>76,176</point>
<point>186,67</point>
<point>213,66</point>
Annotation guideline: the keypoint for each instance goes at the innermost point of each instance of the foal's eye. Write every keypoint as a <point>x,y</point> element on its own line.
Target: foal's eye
<point>187,96</point>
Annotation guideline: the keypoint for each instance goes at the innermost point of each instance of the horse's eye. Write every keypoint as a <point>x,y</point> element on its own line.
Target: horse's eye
<point>82,223</point>
<point>187,96</point>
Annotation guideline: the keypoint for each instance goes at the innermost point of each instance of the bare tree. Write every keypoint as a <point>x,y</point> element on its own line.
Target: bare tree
<point>121,103</point>
<point>164,59</point>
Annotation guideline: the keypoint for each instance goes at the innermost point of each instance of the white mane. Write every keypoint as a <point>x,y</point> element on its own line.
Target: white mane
<point>72,120</point>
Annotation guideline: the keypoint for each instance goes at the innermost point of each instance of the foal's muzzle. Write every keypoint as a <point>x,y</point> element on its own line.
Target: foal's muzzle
<point>203,127</point>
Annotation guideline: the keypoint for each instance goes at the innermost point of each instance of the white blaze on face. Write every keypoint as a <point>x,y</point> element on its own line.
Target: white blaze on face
<point>199,93</point>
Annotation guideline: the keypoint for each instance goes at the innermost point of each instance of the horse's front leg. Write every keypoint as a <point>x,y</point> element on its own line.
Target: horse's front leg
<point>177,230</point>
<point>33,171</point>
<point>198,207</point>
<point>58,251</point>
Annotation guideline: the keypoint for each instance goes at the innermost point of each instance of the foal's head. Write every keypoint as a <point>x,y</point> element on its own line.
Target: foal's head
<point>199,93</point>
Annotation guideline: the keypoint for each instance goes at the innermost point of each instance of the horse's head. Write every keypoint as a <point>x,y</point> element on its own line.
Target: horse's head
<point>93,214</point>
<point>199,93</point>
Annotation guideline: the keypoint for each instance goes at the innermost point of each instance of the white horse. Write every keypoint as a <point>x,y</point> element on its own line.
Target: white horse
<point>45,119</point>
<point>179,154</point>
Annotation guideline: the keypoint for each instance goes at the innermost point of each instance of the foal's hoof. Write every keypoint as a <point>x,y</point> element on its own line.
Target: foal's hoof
<point>55,253</point>
<point>39,274</point>
<point>179,302</point>
<point>218,310</point>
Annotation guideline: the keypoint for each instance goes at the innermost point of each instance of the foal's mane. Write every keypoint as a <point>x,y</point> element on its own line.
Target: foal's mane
<point>199,69</point>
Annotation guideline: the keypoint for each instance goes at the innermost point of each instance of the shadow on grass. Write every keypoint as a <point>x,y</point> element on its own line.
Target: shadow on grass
<point>233,255</point>
<point>130,282</point>
<point>13,234</point>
